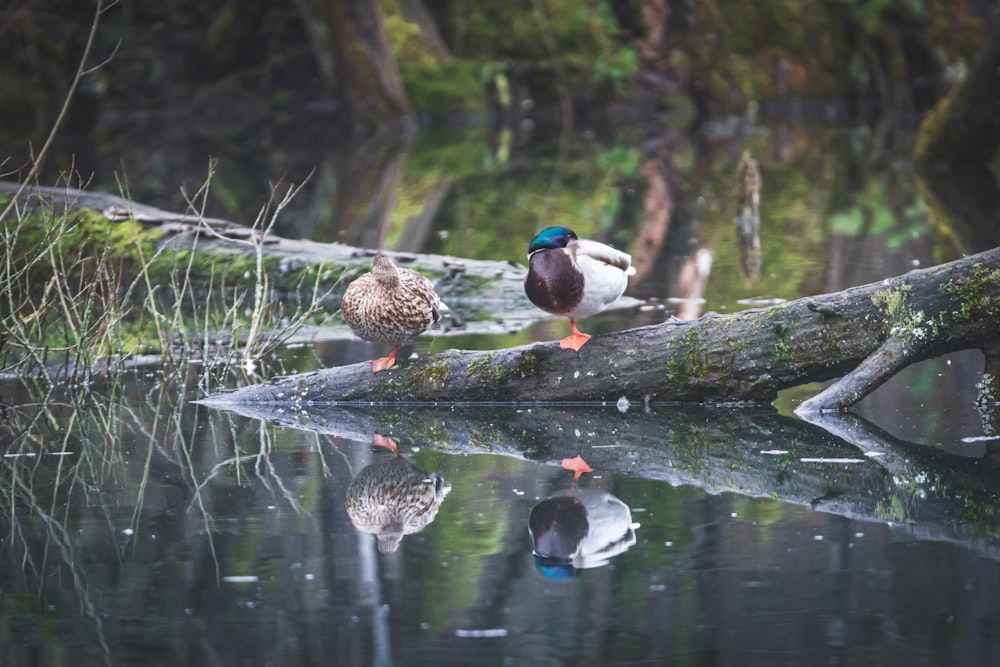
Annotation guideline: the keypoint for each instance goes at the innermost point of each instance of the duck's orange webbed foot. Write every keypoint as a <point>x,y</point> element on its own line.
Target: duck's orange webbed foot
<point>385,363</point>
<point>578,466</point>
<point>575,340</point>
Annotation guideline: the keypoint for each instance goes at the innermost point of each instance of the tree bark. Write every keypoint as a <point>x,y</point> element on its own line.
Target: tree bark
<point>868,332</point>
<point>965,126</point>
<point>366,64</point>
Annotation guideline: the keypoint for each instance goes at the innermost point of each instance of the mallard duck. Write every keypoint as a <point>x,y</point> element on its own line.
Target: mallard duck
<point>576,528</point>
<point>574,277</point>
<point>393,498</point>
<point>390,305</point>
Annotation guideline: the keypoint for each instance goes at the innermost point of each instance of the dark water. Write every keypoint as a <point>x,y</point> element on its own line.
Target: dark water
<point>205,538</point>
<point>138,528</point>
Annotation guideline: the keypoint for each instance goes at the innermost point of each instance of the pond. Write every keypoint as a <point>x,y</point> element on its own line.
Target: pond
<point>142,528</point>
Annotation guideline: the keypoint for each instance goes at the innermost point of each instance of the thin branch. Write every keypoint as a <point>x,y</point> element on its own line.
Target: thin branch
<point>81,70</point>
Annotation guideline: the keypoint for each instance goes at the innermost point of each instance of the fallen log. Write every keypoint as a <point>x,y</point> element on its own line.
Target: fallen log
<point>867,332</point>
<point>486,296</point>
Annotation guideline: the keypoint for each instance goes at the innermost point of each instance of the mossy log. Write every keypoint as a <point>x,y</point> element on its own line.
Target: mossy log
<point>486,296</point>
<point>867,332</point>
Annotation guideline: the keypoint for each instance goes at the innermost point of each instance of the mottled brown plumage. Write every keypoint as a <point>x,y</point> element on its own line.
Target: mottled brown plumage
<point>390,305</point>
<point>393,498</point>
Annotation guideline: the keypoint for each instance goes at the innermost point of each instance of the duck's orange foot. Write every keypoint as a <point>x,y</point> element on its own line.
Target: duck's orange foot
<point>379,440</point>
<point>385,363</point>
<point>575,340</point>
<point>578,466</point>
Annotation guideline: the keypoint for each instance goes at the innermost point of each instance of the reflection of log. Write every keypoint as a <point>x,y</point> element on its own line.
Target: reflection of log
<point>876,329</point>
<point>938,495</point>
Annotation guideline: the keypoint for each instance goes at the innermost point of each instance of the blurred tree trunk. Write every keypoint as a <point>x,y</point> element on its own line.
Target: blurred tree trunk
<point>963,133</point>
<point>965,126</point>
<point>365,64</point>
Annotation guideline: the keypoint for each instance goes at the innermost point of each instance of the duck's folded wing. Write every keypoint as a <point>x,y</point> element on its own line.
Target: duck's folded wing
<point>602,253</point>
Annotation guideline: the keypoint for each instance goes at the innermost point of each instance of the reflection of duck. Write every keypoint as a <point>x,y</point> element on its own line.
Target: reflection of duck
<point>574,278</point>
<point>576,528</point>
<point>393,498</point>
<point>390,305</point>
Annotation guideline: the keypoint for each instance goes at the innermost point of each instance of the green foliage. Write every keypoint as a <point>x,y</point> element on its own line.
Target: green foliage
<point>582,38</point>
<point>614,62</point>
<point>873,214</point>
<point>616,66</point>
<point>449,86</point>
<point>870,13</point>
<point>83,292</point>
<point>408,44</point>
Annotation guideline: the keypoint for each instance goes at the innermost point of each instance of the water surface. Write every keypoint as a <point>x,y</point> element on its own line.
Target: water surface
<point>139,528</point>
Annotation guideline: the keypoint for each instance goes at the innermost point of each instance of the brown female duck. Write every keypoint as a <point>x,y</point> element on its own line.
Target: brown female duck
<point>392,305</point>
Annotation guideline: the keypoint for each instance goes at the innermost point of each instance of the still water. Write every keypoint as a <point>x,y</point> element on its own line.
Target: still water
<point>140,528</point>
<point>151,532</point>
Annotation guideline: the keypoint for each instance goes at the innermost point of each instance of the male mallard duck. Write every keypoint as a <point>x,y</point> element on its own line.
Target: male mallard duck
<point>574,278</point>
<point>393,498</point>
<point>576,528</point>
<point>390,305</point>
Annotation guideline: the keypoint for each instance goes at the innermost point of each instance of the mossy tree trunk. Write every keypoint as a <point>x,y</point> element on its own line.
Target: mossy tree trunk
<point>965,126</point>
<point>868,333</point>
<point>365,63</point>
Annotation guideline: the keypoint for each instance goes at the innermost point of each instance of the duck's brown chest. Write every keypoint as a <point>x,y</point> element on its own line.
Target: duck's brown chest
<point>553,283</point>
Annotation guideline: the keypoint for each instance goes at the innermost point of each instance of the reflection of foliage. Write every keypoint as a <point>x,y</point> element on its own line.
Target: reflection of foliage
<point>493,213</point>
<point>873,215</point>
<point>619,162</point>
<point>110,524</point>
<point>449,86</point>
<point>470,527</point>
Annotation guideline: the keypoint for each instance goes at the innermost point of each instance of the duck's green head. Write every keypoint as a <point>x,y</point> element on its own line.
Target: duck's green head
<point>551,237</point>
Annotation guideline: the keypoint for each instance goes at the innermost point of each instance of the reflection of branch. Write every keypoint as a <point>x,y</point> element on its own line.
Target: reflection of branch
<point>764,454</point>
<point>264,458</point>
<point>21,491</point>
<point>867,437</point>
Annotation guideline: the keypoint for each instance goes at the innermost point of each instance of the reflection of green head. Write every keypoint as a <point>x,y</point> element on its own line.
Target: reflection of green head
<point>551,238</point>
